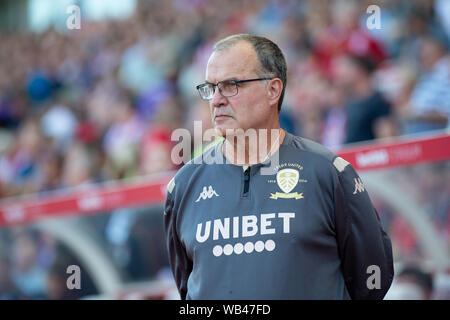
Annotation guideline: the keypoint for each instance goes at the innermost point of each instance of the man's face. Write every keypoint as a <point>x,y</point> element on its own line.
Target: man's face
<point>250,108</point>
<point>429,54</point>
<point>346,73</point>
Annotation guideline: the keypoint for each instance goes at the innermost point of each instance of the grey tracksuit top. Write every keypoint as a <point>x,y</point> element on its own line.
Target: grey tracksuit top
<point>308,230</point>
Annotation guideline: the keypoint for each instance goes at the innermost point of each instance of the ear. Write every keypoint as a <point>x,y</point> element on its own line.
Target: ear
<point>274,89</point>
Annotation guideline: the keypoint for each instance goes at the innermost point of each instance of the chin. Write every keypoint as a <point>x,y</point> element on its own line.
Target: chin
<point>221,131</point>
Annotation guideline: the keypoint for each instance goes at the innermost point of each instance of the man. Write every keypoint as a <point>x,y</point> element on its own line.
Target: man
<point>429,105</point>
<point>305,230</point>
<point>368,113</point>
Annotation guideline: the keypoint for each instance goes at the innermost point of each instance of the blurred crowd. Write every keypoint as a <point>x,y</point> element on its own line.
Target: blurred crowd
<point>100,103</point>
<point>34,266</point>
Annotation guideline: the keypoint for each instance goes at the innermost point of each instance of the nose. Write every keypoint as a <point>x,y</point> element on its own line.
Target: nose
<point>218,100</point>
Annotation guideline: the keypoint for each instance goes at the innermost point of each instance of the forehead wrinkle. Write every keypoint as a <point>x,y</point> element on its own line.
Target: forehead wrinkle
<point>232,63</point>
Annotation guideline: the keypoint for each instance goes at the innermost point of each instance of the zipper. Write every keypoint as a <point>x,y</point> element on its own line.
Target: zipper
<point>246,181</point>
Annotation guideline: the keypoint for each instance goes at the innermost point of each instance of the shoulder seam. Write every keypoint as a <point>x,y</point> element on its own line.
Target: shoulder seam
<point>340,164</point>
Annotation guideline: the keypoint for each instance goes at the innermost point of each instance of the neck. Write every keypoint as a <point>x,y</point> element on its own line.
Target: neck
<point>253,146</point>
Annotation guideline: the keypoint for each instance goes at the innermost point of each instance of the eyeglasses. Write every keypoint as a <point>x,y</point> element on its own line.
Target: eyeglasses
<point>227,88</point>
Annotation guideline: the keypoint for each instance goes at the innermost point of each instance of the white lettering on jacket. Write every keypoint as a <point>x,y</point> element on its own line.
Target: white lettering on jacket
<point>245,226</point>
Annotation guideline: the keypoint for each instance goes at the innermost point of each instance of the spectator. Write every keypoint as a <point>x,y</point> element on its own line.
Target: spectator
<point>366,108</point>
<point>430,99</point>
<point>123,136</point>
<point>8,290</point>
<point>78,167</point>
<point>333,130</point>
<point>412,283</point>
<point>156,151</point>
<point>27,274</point>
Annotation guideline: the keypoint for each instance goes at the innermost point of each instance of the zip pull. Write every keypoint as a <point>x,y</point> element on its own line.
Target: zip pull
<point>246,181</point>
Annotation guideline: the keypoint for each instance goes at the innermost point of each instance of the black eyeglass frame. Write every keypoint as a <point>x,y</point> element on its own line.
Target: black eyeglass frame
<point>236,82</point>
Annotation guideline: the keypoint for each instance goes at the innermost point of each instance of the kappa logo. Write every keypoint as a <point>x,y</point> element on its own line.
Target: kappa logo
<point>287,179</point>
<point>359,186</point>
<point>207,194</point>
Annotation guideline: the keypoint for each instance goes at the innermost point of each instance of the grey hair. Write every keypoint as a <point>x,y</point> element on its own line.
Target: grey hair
<point>269,55</point>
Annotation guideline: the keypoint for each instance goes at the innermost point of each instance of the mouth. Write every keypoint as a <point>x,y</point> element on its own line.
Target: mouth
<point>221,117</point>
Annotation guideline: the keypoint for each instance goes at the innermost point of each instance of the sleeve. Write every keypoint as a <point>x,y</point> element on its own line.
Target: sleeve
<point>179,261</point>
<point>364,247</point>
